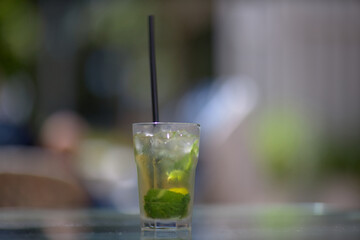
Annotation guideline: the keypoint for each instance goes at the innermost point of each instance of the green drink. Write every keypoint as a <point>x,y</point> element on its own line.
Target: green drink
<point>166,155</point>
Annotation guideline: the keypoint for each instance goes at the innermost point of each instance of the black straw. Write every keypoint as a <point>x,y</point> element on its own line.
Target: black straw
<point>154,96</point>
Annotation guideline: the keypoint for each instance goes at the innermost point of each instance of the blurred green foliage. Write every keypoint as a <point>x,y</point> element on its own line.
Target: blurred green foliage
<point>281,138</point>
<point>291,151</point>
<point>182,42</point>
<point>340,155</point>
<point>36,36</point>
<point>19,31</point>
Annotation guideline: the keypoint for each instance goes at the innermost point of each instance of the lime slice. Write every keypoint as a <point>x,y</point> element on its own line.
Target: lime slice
<point>182,190</point>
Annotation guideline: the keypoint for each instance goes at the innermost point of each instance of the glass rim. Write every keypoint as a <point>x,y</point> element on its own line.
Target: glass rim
<point>166,123</point>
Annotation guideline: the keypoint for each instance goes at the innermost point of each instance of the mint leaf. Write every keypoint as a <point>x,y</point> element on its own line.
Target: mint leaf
<point>162,203</point>
<point>176,176</point>
<point>187,162</point>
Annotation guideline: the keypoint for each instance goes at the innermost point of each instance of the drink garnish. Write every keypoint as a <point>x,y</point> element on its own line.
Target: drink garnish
<point>181,190</point>
<point>184,165</point>
<point>176,176</point>
<point>163,203</point>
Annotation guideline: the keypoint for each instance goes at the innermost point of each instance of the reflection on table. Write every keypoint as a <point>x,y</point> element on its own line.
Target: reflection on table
<point>310,221</point>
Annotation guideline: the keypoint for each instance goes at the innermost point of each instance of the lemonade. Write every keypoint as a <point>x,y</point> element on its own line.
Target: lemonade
<point>166,156</point>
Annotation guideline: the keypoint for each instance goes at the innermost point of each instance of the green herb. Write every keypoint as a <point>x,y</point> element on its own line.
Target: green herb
<point>187,162</point>
<point>176,176</point>
<point>162,203</point>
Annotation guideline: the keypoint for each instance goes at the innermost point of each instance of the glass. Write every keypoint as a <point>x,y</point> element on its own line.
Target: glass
<point>166,156</point>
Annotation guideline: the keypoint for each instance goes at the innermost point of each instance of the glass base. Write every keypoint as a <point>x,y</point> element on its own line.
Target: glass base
<point>164,232</point>
<point>166,224</point>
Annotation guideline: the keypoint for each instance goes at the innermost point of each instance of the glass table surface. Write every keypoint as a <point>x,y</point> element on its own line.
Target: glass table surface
<point>305,221</point>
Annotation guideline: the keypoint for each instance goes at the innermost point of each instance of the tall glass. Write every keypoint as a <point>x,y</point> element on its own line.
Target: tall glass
<point>166,156</point>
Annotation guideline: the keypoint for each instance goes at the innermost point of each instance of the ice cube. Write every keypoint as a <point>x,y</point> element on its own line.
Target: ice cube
<point>141,142</point>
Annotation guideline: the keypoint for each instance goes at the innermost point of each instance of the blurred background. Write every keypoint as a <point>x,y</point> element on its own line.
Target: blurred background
<point>274,84</point>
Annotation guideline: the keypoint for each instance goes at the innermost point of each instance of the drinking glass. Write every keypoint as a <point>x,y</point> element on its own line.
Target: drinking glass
<point>166,155</point>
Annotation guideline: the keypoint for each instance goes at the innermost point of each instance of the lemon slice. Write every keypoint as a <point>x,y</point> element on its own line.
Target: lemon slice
<point>183,191</point>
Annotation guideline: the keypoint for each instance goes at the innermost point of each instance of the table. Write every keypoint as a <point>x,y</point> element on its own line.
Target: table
<point>300,221</point>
